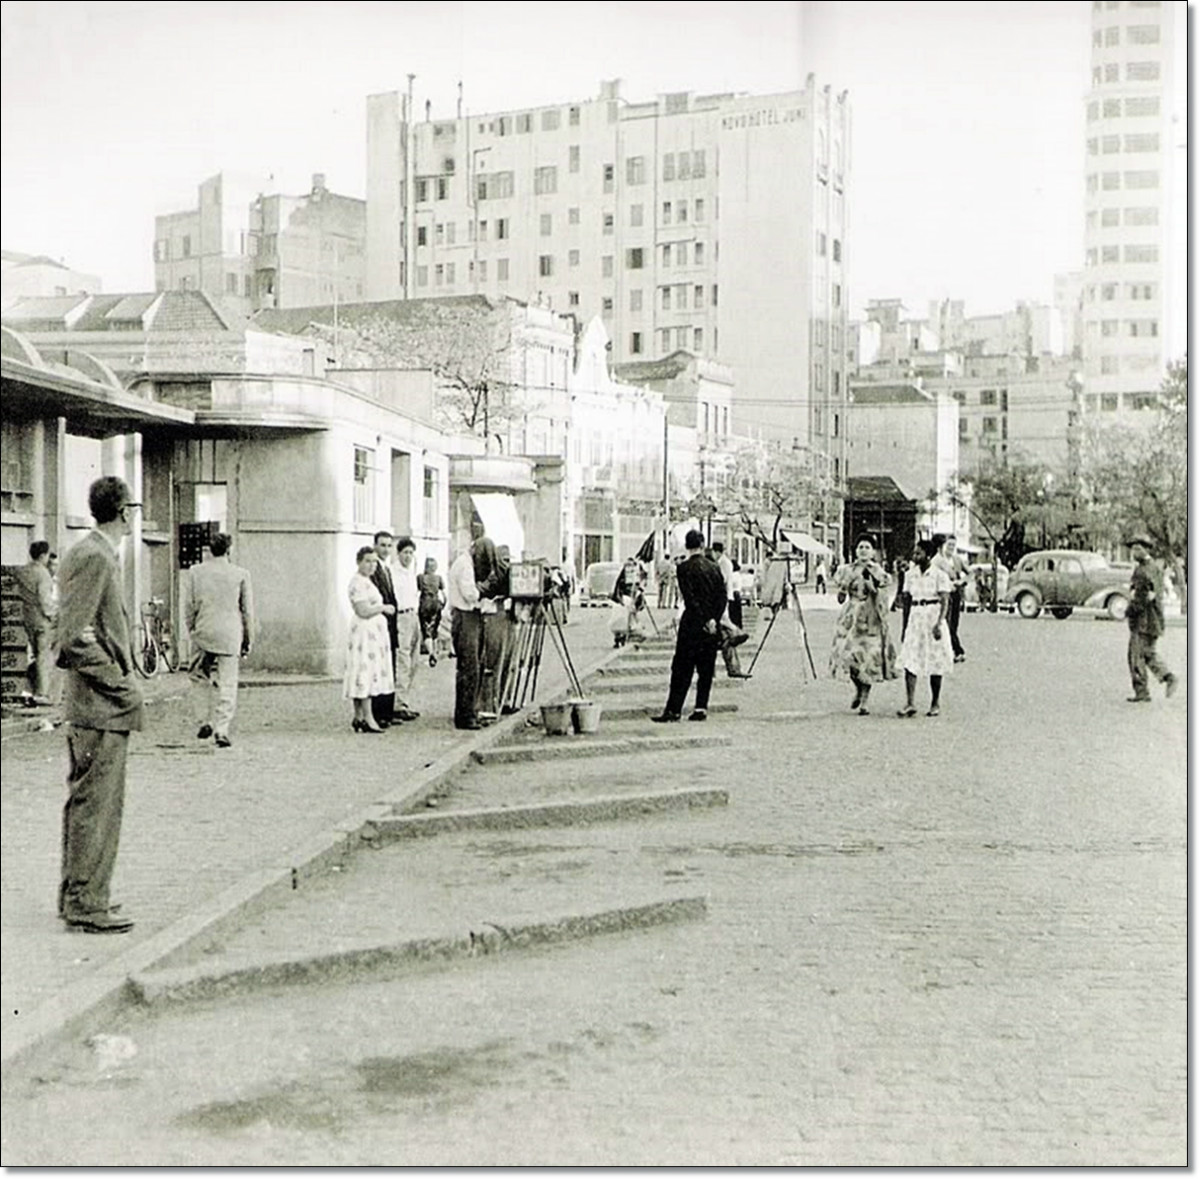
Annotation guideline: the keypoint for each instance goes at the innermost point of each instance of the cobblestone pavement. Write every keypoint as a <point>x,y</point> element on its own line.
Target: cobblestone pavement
<point>198,819</point>
<point>951,941</point>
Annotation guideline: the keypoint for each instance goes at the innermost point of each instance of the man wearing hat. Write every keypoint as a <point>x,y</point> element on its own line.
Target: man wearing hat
<point>1146,623</point>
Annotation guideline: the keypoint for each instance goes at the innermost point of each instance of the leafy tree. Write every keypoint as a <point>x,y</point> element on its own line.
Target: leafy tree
<point>1136,474</point>
<point>770,487</point>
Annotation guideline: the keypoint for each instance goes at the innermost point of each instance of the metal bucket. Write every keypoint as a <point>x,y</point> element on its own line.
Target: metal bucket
<point>556,719</point>
<point>585,716</point>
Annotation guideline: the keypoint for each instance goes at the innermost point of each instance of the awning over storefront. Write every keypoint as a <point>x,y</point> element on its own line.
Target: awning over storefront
<point>500,521</point>
<point>806,543</point>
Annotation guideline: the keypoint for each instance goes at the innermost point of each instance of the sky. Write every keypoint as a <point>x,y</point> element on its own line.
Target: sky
<point>966,162</point>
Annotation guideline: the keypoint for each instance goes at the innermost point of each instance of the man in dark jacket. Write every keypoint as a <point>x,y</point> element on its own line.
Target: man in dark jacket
<point>383,708</point>
<point>1146,623</point>
<point>703,591</point>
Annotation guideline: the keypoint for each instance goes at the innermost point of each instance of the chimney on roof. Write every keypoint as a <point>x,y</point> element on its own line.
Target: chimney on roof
<point>428,110</point>
<point>318,184</point>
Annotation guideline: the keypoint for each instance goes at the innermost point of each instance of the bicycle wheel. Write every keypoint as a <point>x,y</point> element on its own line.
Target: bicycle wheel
<point>147,657</point>
<point>170,652</point>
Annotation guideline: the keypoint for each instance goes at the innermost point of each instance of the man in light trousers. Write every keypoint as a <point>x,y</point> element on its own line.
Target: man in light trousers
<point>408,626</point>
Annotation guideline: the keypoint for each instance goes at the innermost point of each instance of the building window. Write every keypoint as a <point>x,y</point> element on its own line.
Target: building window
<point>987,396</point>
<point>545,224</point>
<point>573,116</point>
<point>1142,107</point>
<point>231,284</point>
<point>545,180</point>
<point>990,425</point>
<point>439,275</point>
<point>635,258</point>
<point>698,215</point>
<point>573,158</point>
<point>422,276</point>
<point>666,212</point>
<point>698,166</point>
<point>1141,253</point>
<point>837,250</point>
<point>1109,217</point>
<point>1108,292</point>
<point>483,270</point>
<point>698,296</point>
<point>1141,291</point>
<point>684,165</point>
<point>1142,215</point>
<point>1112,35</point>
<point>1110,254</point>
<point>1143,327</point>
<point>669,166</point>
<point>635,299</point>
<point>1112,72</point>
<point>606,223</point>
<point>443,188</point>
<point>550,119</point>
<point>1108,367</point>
<point>501,228</point>
<point>364,485</point>
<point>502,269</point>
<point>666,340</point>
<point>187,245</point>
<point>635,170</point>
<point>837,294</point>
<point>573,215</point>
<point>450,273</point>
<point>681,253</point>
<point>524,124</point>
<point>635,343</point>
<point>665,292</point>
<point>572,298</point>
<point>697,340</point>
<point>1111,144</point>
<point>1143,34</point>
<point>545,265</point>
<point>1093,111</point>
<point>572,257</point>
<point>1108,327</point>
<point>1146,179</point>
<point>963,429</point>
<point>698,252</point>
<point>714,295</point>
<point>606,305</point>
<point>1110,402</point>
<point>1110,181</point>
<point>1112,108</point>
<point>606,266</point>
<point>1141,143</point>
<point>635,215</point>
<point>609,173</point>
<point>681,212</point>
<point>1142,71</point>
<point>822,244</point>
<point>422,235</point>
<point>248,287</point>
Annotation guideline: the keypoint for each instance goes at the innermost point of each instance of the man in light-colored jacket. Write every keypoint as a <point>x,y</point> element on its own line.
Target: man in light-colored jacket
<point>218,614</point>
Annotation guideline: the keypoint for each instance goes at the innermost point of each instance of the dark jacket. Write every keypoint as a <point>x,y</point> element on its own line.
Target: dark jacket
<point>93,640</point>
<point>1145,612</point>
<point>703,591</point>
<point>382,580</point>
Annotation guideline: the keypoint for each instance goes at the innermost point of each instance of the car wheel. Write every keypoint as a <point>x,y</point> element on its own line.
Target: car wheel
<point>1116,606</point>
<point>1062,611</point>
<point>1028,606</point>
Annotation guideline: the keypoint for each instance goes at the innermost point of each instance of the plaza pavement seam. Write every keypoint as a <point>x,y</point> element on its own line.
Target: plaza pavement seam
<point>104,991</point>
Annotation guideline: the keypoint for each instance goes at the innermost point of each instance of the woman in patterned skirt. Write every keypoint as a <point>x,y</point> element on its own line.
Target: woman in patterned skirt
<point>369,670</point>
<point>925,648</point>
<point>862,646</point>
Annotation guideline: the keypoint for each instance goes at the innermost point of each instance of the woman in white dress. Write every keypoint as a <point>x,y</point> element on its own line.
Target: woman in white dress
<point>369,670</point>
<point>925,648</point>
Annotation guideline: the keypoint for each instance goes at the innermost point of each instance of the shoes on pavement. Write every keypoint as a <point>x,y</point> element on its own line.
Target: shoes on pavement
<point>470,725</point>
<point>1172,683</point>
<point>934,711</point>
<point>698,714</point>
<point>738,675</point>
<point>960,659</point>
<point>665,718</point>
<point>1137,699</point>
<point>864,712</point>
<point>223,742</point>
<point>908,711</point>
<point>204,732</point>
<point>102,921</point>
<point>408,714</point>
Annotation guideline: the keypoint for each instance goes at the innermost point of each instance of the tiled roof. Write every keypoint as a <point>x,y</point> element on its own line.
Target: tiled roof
<point>43,309</point>
<point>874,487</point>
<point>176,311</point>
<point>662,369</point>
<point>895,393</point>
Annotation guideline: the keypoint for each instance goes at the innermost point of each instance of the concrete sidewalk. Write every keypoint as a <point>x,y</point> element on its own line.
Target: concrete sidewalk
<point>206,830</point>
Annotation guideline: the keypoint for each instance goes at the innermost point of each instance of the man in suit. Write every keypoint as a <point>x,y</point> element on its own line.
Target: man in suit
<point>102,705</point>
<point>384,707</point>
<point>38,610</point>
<point>407,625</point>
<point>703,591</point>
<point>218,613</point>
<point>1146,622</point>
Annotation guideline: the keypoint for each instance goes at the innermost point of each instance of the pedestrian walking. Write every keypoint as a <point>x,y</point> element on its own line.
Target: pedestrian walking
<point>408,626</point>
<point>217,609</point>
<point>862,646</point>
<point>821,577</point>
<point>951,560</point>
<point>925,648</point>
<point>704,601</point>
<point>39,609</point>
<point>431,602</point>
<point>102,705</point>
<point>1146,622</point>
<point>730,632</point>
<point>383,706</point>
<point>370,667</point>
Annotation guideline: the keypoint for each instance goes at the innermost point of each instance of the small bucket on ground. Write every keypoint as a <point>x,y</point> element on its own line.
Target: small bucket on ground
<point>585,716</point>
<point>556,719</point>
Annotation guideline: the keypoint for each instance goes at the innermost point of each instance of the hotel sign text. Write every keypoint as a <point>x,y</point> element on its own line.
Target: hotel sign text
<point>761,118</point>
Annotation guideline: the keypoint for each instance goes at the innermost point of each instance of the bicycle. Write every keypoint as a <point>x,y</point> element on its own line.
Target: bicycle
<point>155,643</point>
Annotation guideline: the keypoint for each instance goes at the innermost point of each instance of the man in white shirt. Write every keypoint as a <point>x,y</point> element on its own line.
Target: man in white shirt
<point>950,560</point>
<point>408,626</point>
<point>733,613</point>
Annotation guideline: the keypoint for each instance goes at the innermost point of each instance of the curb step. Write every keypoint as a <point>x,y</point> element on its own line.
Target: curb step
<point>554,749</point>
<point>376,962</point>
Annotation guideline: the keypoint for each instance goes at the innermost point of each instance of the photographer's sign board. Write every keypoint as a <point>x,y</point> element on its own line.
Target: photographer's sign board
<point>775,581</point>
<point>527,579</point>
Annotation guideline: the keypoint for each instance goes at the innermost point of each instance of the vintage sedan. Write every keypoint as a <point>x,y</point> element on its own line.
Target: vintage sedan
<point>1063,580</point>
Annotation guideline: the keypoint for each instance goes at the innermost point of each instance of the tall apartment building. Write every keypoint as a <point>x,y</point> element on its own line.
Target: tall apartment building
<point>1131,239</point>
<point>714,224</point>
<point>256,250</point>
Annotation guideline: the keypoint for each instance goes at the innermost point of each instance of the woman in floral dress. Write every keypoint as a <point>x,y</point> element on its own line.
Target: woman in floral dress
<point>369,670</point>
<point>926,648</point>
<point>862,647</point>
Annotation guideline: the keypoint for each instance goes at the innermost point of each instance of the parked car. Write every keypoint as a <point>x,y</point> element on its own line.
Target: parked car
<point>599,578</point>
<point>1062,580</point>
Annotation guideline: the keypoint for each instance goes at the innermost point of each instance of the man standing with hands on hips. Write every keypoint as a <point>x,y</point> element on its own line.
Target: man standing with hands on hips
<point>102,705</point>
<point>218,612</point>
